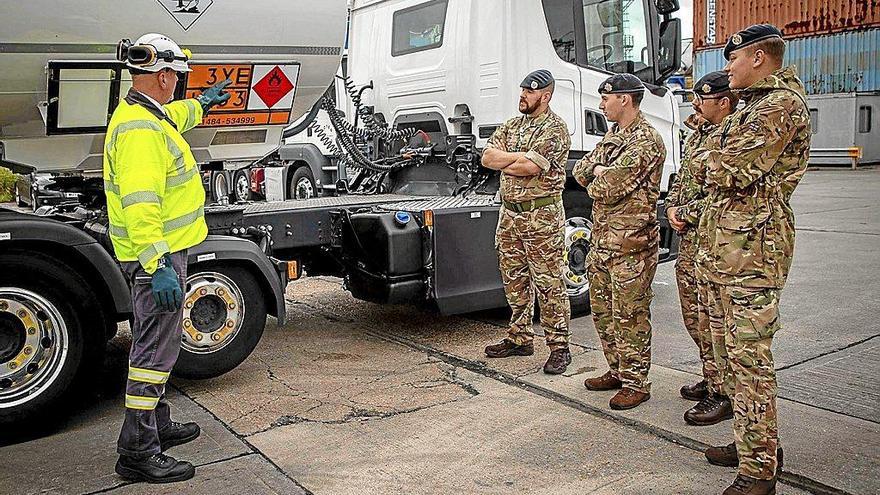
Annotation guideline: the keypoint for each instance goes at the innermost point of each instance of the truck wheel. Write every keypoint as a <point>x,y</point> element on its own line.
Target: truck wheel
<point>241,186</point>
<point>302,184</point>
<point>578,228</point>
<point>223,319</point>
<point>219,186</point>
<point>43,339</point>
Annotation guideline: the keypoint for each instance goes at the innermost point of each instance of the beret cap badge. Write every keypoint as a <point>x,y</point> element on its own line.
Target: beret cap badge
<point>608,87</point>
<point>706,88</point>
<point>534,85</point>
<point>737,39</point>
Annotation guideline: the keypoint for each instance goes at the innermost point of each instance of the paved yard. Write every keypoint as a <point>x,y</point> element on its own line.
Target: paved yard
<point>351,397</point>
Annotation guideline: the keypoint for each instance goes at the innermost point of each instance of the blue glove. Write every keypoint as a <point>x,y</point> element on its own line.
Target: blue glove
<point>214,95</point>
<point>166,288</point>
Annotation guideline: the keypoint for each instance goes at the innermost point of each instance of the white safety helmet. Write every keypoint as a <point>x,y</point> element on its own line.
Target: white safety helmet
<point>153,52</point>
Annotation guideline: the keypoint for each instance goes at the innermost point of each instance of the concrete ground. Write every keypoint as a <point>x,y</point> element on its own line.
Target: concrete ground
<point>352,397</point>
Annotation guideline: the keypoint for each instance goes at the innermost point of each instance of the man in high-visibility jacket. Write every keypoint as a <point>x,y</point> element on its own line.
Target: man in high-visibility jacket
<point>155,203</point>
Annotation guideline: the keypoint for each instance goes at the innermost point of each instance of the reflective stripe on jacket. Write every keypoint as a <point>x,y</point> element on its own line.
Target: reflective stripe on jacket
<point>155,197</point>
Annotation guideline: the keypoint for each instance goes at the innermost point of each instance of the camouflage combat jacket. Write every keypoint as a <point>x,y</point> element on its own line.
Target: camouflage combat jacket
<point>689,187</point>
<point>546,142</point>
<point>624,197</point>
<point>754,164</point>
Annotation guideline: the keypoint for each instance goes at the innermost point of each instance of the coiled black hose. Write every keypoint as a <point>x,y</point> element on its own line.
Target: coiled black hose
<point>373,126</point>
<point>347,144</point>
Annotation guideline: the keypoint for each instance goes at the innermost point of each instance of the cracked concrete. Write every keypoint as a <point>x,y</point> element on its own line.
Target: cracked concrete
<point>352,397</point>
<point>324,372</point>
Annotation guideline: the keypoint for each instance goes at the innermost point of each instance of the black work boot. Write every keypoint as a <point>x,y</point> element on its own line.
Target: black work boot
<point>178,434</point>
<point>745,485</point>
<point>709,411</point>
<point>695,392</point>
<point>506,348</point>
<point>727,456</point>
<point>158,468</point>
<point>558,361</point>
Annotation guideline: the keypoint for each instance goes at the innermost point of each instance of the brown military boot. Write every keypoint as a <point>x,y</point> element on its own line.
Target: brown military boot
<point>628,398</point>
<point>727,456</point>
<point>558,361</point>
<point>506,348</point>
<point>744,485</point>
<point>709,411</point>
<point>604,382</point>
<point>695,392</point>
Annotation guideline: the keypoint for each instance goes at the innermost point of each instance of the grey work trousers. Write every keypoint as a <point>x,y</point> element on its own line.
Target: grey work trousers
<point>155,345</point>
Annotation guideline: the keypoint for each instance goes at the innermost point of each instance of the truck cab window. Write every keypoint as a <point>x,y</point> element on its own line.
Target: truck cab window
<point>617,37</point>
<point>560,23</point>
<point>418,28</point>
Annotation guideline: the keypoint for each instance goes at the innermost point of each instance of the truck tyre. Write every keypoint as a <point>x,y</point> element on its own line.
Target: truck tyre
<point>50,337</point>
<point>578,228</point>
<point>219,186</point>
<point>302,184</point>
<point>241,185</point>
<point>223,320</point>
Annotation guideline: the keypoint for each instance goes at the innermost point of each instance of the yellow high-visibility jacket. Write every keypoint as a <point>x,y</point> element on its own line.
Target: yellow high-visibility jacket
<point>155,197</point>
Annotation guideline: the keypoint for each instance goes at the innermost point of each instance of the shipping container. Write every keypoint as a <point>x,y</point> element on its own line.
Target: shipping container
<point>837,63</point>
<point>717,20</point>
<point>842,76</point>
<point>845,127</point>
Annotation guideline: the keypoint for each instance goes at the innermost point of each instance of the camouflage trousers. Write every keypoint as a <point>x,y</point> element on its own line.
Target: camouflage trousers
<point>694,312</point>
<point>743,321</point>
<point>530,249</point>
<point>620,298</point>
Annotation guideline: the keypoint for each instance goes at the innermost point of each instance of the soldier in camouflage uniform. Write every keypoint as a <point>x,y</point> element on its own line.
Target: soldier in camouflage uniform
<point>747,241</point>
<point>531,152</point>
<point>622,175</point>
<point>712,103</point>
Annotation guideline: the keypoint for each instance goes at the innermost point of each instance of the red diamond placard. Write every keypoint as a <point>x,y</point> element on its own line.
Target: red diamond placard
<point>273,86</point>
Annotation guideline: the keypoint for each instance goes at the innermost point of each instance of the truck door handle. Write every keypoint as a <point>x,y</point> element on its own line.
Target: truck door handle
<point>594,123</point>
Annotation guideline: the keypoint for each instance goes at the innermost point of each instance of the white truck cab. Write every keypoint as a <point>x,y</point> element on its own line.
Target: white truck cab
<point>453,67</point>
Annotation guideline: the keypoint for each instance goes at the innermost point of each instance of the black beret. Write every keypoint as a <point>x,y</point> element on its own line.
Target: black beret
<point>750,36</point>
<point>621,83</point>
<point>712,83</point>
<point>538,79</point>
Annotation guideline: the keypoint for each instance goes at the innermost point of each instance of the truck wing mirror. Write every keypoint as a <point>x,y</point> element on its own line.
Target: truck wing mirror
<point>669,57</point>
<point>666,7</point>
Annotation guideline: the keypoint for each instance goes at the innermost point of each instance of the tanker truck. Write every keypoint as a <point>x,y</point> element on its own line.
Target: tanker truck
<point>62,293</point>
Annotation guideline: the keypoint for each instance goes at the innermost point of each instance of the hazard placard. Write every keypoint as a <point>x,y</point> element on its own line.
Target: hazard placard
<point>261,93</point>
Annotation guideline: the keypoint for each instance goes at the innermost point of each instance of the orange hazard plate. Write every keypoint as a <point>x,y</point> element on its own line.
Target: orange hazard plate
<point>245,106</point>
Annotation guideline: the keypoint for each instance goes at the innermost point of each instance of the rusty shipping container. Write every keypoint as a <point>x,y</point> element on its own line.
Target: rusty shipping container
<point>717,20</point>
<point>834,63</point>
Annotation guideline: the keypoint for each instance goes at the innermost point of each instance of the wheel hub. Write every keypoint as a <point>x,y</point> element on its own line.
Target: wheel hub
<point>208,313</point>
<point>242,187</point>
<point>304,189</point>
<point>577,248</point>
<point>33,345</point>
<point>213,312</point>
<point>13,336</point>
